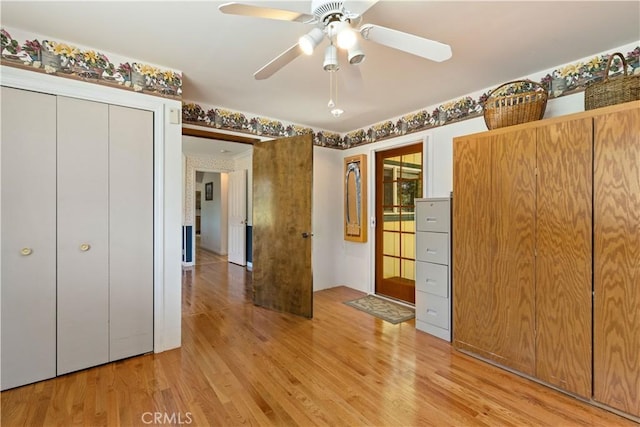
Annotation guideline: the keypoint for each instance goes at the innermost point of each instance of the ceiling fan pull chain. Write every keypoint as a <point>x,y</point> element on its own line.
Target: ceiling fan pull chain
<point>331,104</point>
<point>336,111</point>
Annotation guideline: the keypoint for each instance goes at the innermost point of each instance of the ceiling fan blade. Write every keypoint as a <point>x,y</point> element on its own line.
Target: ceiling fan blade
<point>265,12</point>
<point>406,42</point>
<point>280,61</point>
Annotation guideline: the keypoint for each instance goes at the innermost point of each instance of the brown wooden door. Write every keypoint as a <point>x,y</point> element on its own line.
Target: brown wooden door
<point>282,189</point>
<point>493,248</point>
<point>398,184</point>
<point>563,263</point>
<point>616,329</point>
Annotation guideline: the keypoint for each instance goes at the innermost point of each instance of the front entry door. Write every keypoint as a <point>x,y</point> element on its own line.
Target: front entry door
<point>398,184</point>
<point>282,189</point>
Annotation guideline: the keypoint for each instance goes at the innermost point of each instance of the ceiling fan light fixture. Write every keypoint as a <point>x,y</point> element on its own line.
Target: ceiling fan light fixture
<point>331,58</point>
<point>309,41</point>
<point>345,36</point>
<point>355,54</point>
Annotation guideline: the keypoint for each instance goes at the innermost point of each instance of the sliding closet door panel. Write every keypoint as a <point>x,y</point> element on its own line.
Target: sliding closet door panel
<point>616,353</point>
<point>472,211</point>
<point>83,234</point>
<point>131,232</point>
<point>28,237</point>
<point>513,262</point>
<point>563,268</point>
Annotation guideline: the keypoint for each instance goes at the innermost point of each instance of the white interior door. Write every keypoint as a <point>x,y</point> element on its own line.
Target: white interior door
<point>130,232</point>
<point>83,234</point>
<point>28,152</point>
<point>237,217</point>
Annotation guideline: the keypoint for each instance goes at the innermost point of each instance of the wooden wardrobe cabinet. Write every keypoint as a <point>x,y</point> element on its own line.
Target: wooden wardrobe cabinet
<point>529,200</point>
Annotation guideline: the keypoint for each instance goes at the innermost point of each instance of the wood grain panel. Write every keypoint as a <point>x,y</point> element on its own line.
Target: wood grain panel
<point>512,262</point>
<point>472,212</point>
<point>617,260</point>
<point>282,185</point>
<point>563,265</point>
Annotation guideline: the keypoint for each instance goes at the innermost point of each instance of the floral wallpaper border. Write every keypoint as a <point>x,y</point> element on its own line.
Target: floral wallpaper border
<point>566,80</point>
<point>220,118</point>
<point>66,60</point>
<point>69,61</point>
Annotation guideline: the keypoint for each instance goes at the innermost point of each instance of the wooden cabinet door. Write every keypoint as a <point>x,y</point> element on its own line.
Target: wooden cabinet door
<point>28,237</point>
<point>83,234</point>
<point>493,249</point>
<point>563,263</point>
<point>617,260</point>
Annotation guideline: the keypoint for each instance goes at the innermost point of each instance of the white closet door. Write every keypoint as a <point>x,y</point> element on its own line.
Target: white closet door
<point>28,153</point>
<point>131,232</point>
<point>238,217</point>
<point>83,234</point>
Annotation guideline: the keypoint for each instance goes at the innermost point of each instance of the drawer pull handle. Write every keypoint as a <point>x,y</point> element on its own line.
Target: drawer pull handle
<point>432,312</point>
<point>26,251</point>
<point>431,251</point>
<point>85,247</point>
<point>431,219</point>
<point>431,281</point>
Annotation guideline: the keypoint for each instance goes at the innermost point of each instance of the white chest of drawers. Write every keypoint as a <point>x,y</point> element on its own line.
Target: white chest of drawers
<point>433,266</point>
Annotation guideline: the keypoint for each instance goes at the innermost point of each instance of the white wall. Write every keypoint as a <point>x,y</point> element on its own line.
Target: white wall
<point>326,218</point>
<point>352,264</point>
<point>214,217</point>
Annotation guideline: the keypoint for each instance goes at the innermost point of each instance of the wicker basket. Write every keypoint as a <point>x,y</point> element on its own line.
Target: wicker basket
<point>612,91</point>
<point>510,109</point>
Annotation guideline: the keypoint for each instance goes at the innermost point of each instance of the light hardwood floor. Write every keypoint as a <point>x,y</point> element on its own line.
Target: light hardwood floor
<point>243,365</point>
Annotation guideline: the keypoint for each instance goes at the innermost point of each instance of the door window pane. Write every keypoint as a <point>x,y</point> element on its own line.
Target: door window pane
<point>391,267</point>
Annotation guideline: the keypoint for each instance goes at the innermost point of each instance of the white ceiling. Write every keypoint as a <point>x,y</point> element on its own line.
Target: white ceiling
<point>492,42</point>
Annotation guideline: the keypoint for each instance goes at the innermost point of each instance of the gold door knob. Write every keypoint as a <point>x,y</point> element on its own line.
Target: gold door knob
<point>26,251</point>
<point>85,247</point>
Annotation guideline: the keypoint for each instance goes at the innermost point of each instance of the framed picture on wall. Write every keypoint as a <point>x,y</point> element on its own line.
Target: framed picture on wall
<point>208,191</point>
<point>355,198</point>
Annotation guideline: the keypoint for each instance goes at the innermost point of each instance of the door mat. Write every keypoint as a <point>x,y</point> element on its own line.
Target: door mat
<point>382,309</point>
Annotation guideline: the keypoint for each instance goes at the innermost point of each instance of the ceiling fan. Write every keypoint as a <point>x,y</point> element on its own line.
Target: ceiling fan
<point>332,19</point>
